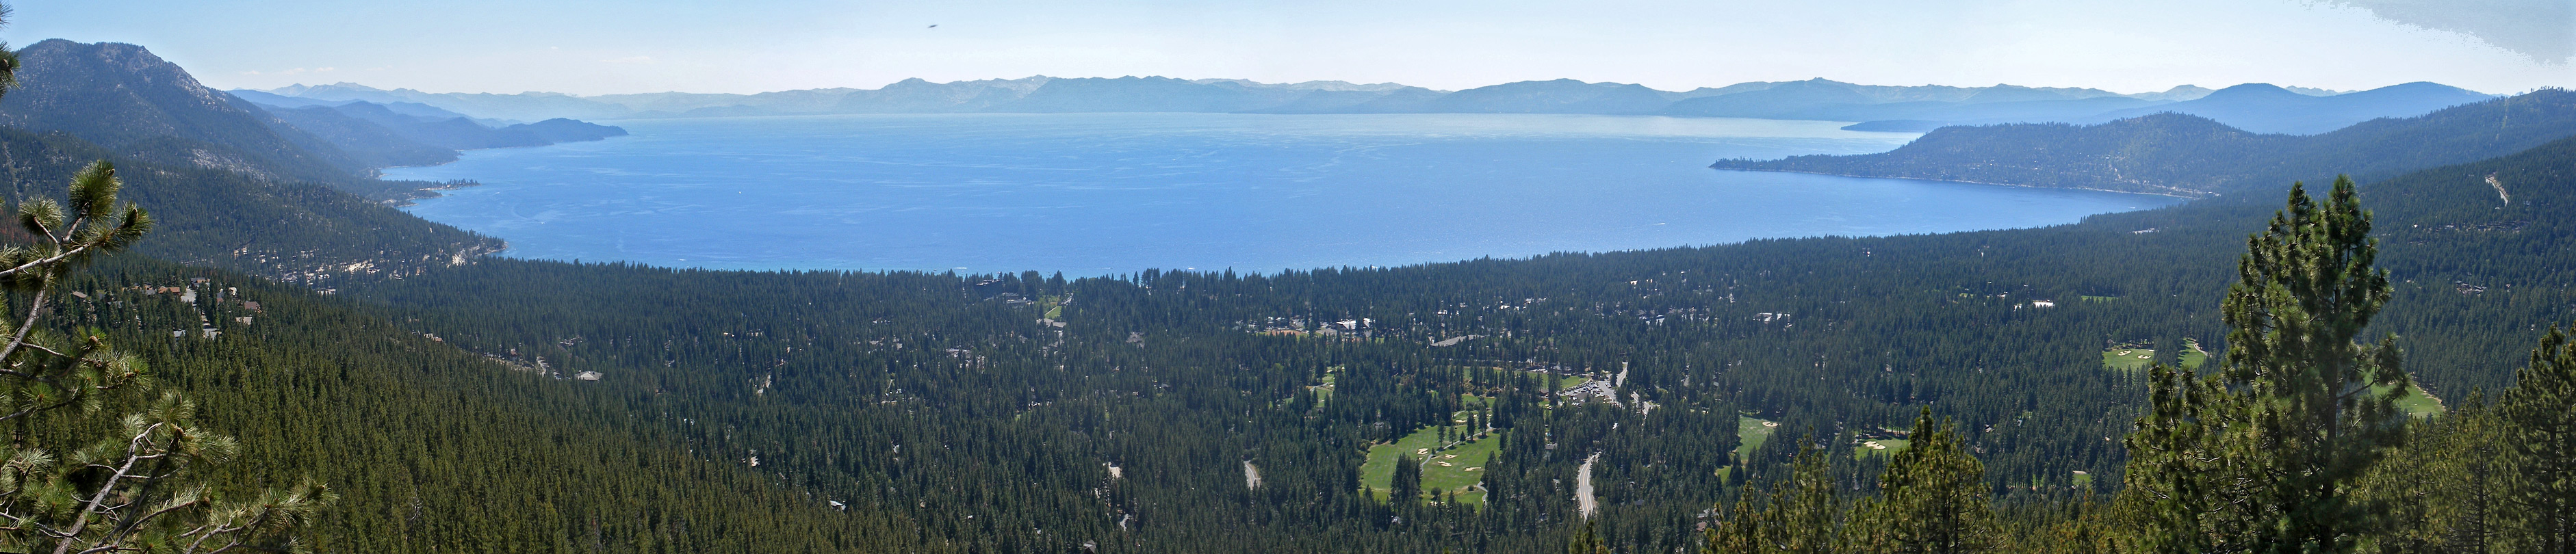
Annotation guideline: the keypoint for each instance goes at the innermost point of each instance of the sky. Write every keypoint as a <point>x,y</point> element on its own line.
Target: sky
<point>743,46</point>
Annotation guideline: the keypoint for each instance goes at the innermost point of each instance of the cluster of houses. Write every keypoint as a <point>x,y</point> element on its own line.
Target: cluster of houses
<point>1297,326</point>
<point>188,293</point>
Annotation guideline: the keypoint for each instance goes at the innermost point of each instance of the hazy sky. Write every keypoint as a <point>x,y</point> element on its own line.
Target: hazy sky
<point>617,46</point>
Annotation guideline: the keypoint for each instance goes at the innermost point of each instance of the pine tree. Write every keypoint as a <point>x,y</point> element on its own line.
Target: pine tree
<point>1740,532</point>
<point>143,486</point>
<point>2264,455</point>
<point>2082,531</point>
<point>1406,488</point>
<point>1810,508</point>
<point>2182,485</point>
<point>2412,482</point>
<point>1803,516</point>
<point>2474,452</point>
<point>2539,413</point>
<point>1586,541</point>
<point>2323,406</point>
<point>1932,498</point>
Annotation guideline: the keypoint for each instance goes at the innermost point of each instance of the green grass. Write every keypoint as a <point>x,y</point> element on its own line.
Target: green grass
<point>1893,445</point>
<point>2419,404</point>
<point>2089,298</point>
<point>1472,403</point>
<point>2083,480</point>
<point>1378,471</point>
<point>2415,403</point>
<point>2126,359</point>
<point>1749,434</point>
<point>1454,477</point>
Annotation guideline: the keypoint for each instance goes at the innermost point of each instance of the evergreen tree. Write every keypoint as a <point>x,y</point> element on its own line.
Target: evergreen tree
<point>2412,482</point>
<point>2168,351</point>
<point>2473,452</point>
<point>2182,487</point>
<point>2081,531</point>
<point>1406,489</point>
<point>1803,516</point>
<point>1740,532</point>
<point>2540,417</point>
<point>2264,455</point>
<point>1586,541</point>
<point>144,484</point>
<point>2323,406</point>
<point>1932,498</point>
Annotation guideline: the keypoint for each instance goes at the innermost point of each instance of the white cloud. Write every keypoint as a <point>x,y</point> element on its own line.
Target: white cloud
<point>2544,30</point>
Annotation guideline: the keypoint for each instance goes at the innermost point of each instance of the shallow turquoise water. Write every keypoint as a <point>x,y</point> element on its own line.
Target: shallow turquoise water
<point>1092,194</point>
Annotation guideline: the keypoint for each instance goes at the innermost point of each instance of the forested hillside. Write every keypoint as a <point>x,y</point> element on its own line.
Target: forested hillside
<point>435,449</point>
<point>122,97</point>
<point>2190,156</point>
<point>291,231</point>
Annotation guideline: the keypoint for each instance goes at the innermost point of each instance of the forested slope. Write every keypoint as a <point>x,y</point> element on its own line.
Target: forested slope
<point>123,97</point>
<point>292,231</point>
<point>2190,156</point>
<point>435,449</point>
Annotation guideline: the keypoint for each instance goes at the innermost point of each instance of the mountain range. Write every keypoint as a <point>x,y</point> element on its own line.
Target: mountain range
<point>124,98</point>
<point>2255,107</point>
<point>2189,155</point>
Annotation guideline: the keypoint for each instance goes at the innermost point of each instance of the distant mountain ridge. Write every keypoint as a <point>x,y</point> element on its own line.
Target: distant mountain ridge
<point>2189,155</point>
<point>122,97</point>
<point>230,184</point>
<point>2265,108</point>
<point>1878,107</point>
<point>403,134</point>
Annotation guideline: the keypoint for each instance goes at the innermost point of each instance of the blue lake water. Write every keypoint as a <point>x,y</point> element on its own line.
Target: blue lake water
<point>1093,194</point>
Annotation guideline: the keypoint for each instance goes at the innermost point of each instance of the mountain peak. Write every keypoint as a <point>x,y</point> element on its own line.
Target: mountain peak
<point>59,72</point>
<point>2252,90</point>
<point>117,95</point>
<point>2425,87</point>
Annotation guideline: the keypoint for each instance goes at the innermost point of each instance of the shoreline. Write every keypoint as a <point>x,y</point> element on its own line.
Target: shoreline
<point>431,192</point>
<point>2014,185</point>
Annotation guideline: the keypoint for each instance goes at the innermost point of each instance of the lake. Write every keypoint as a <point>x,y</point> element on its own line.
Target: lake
<point>1095,194</point>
